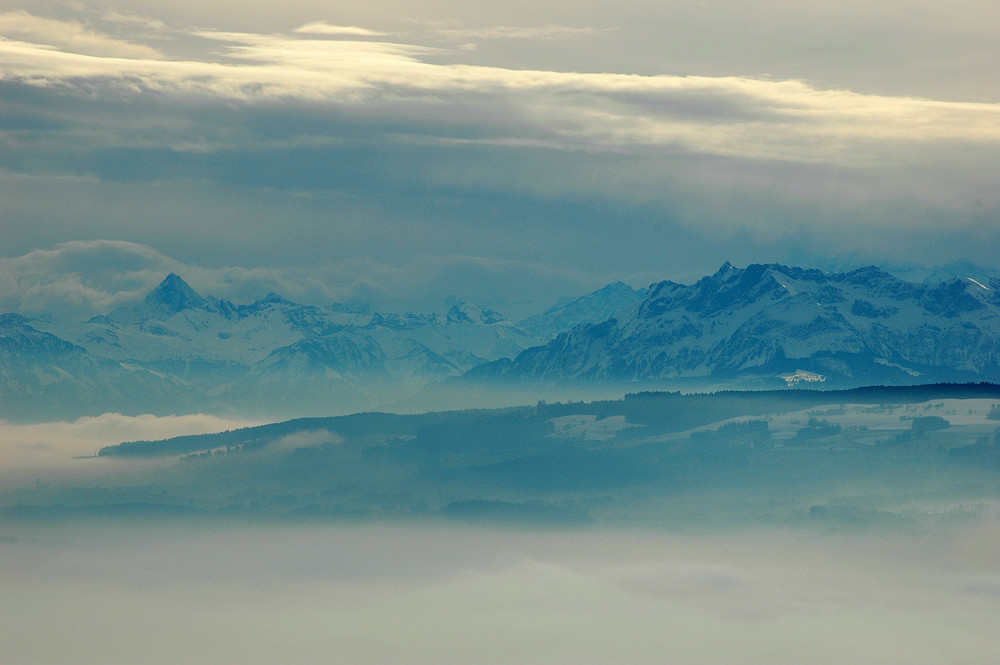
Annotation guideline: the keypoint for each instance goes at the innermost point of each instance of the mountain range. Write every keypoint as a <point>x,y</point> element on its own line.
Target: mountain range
<point>178,351</point>
<point>771,323</point>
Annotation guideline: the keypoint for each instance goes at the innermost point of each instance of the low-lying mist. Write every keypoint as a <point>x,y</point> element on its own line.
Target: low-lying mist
<point>753,528</point>
<point>60,449</point>
<point>126,593</point>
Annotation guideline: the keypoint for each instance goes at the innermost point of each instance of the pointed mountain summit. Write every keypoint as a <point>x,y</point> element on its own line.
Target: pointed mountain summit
<point>470,312</point>
<point>170,296</point>
<point>174,295</point>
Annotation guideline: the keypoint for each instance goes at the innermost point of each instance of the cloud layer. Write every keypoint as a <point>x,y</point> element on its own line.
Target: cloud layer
<point>49,451</point>
<point>734,116</point>
<point>430,595</point>
<point>377,141</point>
<point>76,280</point>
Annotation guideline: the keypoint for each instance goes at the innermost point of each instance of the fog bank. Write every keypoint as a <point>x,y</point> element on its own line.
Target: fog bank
<point>47,451</point>
<point>382,594</point>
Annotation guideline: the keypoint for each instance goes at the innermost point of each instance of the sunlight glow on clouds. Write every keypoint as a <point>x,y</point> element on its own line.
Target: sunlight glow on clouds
<point>584,141</point>
<point>324,28</point>
<point>747,117</point>
<point>43,33</point>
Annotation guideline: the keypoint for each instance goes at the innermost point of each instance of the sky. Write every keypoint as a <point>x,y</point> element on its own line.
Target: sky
<point>402,153</point>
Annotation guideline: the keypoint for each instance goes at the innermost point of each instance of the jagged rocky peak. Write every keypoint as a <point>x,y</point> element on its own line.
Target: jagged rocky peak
<point>730,283</point>
<point>868,275</point>
<point>171,296</point>
<point>726,270</point>
<point>273,297</point>
<point>174,295</point>
<point>954,297</point>
<point>467,312</point>
<point>731,286</point>
<point>729,274</point>
<point>767,320</point>
<point>12,320</point>
<point>754,272</point>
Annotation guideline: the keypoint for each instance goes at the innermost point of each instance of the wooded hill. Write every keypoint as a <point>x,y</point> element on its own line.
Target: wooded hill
<point>878,457</point>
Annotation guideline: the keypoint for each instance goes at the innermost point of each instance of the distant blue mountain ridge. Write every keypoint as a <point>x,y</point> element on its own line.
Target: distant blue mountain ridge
<point>772,322</point>
<point>272,356</point>
<point>769,325</point>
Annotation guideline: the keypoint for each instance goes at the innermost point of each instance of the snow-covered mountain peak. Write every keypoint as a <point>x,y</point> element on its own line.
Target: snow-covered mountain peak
<point>613,289</point>
<point>725,271</point>
<point>764,322</point>
<point>469,312</point>
<point>954,297</point>
<point>12,325</point>
<point>870,276</point>
<point>766,319</point>
<point>735,286</point>
<point>273,298</point>
<point>173,295</point>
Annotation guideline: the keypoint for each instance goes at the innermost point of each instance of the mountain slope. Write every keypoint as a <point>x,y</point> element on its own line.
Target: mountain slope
<point>591,308</point>
<point>768,321</point>
<point>764,325</point>
<point>271,354</point>
<point>42,375</point>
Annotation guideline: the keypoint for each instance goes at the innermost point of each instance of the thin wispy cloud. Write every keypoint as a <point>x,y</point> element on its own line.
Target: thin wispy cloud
<point>515,32</point>
<point>126,18</point>
<point>48,34</point>
<point>324,28</point>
